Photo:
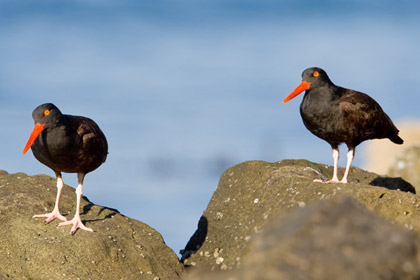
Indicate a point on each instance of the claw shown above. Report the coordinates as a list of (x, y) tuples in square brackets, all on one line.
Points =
[(50, 216), (77, 223), (332, 181)]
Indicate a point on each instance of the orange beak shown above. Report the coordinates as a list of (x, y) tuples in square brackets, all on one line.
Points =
[(303, 86), (35, 133)]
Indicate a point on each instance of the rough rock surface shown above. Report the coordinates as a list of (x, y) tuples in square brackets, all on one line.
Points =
[(119, 247), (253, 193), (336, 238), (407, 165)]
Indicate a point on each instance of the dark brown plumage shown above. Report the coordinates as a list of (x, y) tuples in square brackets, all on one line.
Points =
[(65, 143), (339, 115)]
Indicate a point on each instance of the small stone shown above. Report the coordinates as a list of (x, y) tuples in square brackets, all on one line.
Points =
[(401, 164)]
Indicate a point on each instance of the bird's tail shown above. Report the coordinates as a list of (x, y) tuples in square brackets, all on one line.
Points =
[(396, 139)]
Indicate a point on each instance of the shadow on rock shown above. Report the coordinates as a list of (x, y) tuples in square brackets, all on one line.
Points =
[(112, 213), (393, 184), (197, 240)]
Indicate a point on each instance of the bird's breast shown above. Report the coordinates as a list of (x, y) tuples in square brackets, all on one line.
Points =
[(56, 148), (322, 116)]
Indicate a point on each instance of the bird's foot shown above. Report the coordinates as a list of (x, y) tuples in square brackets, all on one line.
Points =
[(55, 214), (332, 181), (77, 223)]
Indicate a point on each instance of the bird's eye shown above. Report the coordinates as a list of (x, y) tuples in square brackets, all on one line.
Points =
[(316, 74), (46, 112)]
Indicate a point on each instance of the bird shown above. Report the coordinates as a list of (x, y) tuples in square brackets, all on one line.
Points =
[(340, 115), (66, 143)]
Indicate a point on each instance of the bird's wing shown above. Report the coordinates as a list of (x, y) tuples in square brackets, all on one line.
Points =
[(90, 134), (86, 129), (361, 109)]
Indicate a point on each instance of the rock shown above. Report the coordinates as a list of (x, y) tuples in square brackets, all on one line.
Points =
[(336, 238), (406, 164), (119, 247), (253, 193)]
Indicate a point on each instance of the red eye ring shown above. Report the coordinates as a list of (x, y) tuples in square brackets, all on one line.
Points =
[(46, 112), (316, 74)]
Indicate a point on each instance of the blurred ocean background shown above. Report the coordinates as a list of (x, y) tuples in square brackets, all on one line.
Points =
[(185, 89)]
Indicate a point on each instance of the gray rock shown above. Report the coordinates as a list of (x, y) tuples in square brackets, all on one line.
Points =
[(119, 247), (336, 238), (253, 193)]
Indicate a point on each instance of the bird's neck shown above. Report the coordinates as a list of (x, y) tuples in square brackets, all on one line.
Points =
[(61, 124), (326, 93)]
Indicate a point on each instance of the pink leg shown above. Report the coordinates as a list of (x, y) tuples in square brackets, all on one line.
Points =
[(76, 221), (350, 156), (56, 212), (334, 179)]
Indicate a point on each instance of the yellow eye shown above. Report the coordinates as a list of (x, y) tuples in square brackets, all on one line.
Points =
[(316, 74), (46, 112)]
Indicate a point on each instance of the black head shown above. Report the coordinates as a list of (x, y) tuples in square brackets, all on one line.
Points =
[(47, 114), (312, 78), (316, 76)]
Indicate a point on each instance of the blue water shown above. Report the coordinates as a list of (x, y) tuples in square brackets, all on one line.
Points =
[(185, 89)]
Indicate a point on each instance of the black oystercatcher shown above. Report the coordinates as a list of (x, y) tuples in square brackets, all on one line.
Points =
[(339, 115), (70, 144)]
